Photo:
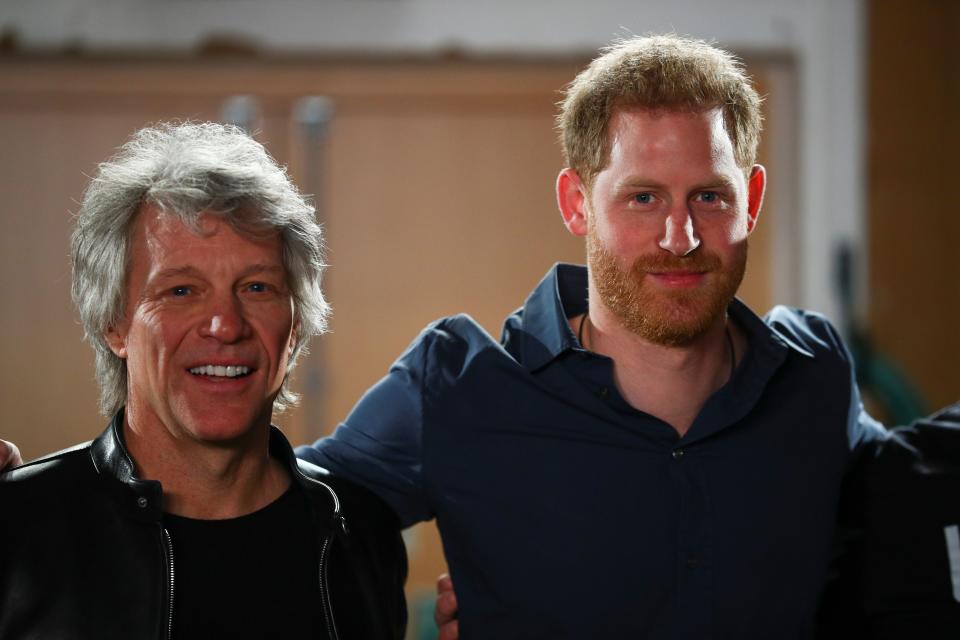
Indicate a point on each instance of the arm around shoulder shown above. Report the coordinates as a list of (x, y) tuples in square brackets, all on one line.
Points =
[(380, 444)]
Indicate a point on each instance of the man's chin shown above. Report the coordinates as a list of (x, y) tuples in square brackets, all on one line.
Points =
[(221, 427), (670, 335), (673, 323)]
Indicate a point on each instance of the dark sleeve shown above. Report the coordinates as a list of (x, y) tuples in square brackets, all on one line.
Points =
[(862, 429), (813, 334), (379, 444), (900, 577)]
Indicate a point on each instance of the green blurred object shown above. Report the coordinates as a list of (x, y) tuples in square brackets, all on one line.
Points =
[(877, 374), (880, 377), (422, 626)]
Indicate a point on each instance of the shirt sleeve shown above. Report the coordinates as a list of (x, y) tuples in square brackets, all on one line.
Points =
[(812, 333), (379, 444)]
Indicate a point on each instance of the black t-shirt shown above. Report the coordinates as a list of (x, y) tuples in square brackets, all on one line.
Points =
[(247, 577)]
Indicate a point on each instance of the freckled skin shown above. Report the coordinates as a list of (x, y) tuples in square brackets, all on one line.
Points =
[(216, 297)]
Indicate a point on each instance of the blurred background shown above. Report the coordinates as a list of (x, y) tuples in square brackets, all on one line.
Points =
[(423, 129)]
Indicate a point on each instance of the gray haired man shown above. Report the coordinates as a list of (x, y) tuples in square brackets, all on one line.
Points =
[(196, 272)]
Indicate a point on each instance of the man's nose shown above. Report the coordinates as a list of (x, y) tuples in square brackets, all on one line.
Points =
[(225, 320), (679, 236)]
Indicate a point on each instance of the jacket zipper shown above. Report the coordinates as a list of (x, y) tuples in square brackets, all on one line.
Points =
[(325, 603), (324, 587), (325, 592), (168, 553)]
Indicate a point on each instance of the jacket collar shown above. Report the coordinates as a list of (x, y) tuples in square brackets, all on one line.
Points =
[(112, 460)]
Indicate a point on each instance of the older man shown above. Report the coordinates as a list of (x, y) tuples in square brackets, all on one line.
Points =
[(196, 271)]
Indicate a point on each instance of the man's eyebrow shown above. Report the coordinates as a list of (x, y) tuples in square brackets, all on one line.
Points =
[(263, 268), (638, 182), (722, 182), (174, 272), (192, 271)]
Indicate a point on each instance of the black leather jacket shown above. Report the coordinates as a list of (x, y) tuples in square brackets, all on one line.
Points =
[(84, 554)]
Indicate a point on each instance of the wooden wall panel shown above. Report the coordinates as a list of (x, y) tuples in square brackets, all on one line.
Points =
[(914, 134)]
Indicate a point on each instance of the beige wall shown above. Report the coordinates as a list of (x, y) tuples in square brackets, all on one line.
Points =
[(436, 189)]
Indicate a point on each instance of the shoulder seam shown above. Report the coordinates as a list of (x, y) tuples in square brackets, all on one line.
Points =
[(56, 455)]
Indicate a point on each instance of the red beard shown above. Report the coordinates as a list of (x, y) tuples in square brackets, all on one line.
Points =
[(667, 317)]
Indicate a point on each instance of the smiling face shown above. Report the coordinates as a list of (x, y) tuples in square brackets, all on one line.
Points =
[(207, 330), (666, 222)]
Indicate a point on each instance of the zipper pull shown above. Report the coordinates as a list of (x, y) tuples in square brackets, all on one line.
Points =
[(341, 525)]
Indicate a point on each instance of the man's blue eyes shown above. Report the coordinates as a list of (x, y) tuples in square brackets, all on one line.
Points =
[(183, 290), (703, 196)]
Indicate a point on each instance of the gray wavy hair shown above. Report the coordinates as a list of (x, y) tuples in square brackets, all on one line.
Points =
[(183, 170)]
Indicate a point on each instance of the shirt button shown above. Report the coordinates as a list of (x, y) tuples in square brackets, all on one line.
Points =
[(142, 502), (603, 392), (677, 454)]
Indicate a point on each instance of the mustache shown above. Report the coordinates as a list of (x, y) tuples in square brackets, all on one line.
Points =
[(657, 263)]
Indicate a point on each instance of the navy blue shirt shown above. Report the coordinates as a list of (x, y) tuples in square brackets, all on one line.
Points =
[(566, 513)]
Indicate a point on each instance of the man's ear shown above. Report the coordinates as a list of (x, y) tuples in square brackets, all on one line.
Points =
[(572, 200), (756, 185), (117, 341)]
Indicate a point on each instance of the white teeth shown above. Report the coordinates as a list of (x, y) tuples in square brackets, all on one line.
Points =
[(220, 371)]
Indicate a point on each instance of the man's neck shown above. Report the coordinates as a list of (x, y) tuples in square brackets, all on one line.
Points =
[(671, 383), (203, 481)]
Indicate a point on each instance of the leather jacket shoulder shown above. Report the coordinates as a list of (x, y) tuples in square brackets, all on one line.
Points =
[(84, 554)]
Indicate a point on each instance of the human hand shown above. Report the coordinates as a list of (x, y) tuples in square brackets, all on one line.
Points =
[(10, 457), (445, 611)]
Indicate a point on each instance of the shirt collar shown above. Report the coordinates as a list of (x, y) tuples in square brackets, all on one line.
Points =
[(545, 333), (542, 323)]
